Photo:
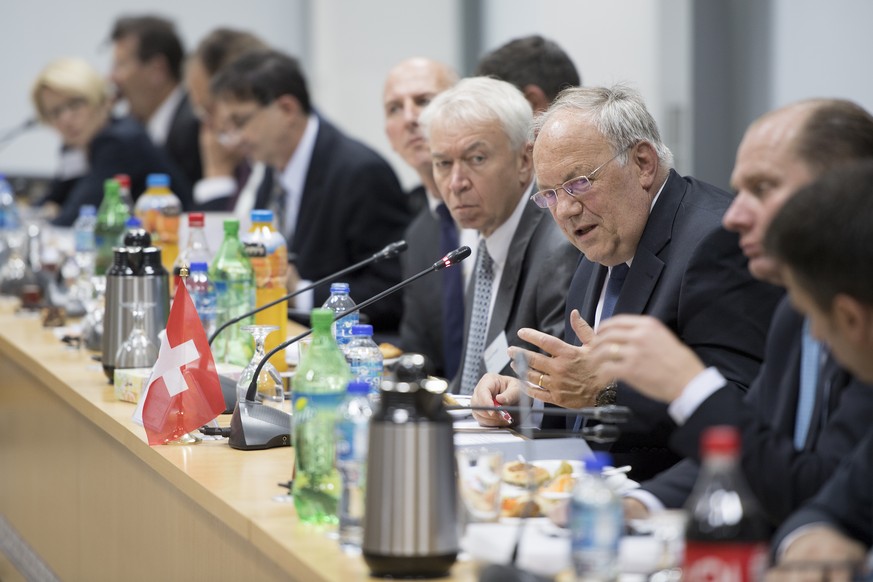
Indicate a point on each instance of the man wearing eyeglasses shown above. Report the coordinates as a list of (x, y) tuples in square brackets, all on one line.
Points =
[(338, 201), (653, 245), (482, 166)]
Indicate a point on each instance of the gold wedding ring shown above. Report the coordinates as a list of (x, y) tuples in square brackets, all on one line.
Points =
[(540, 381)]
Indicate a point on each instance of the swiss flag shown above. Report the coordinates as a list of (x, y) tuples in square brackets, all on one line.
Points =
[(184, 391)]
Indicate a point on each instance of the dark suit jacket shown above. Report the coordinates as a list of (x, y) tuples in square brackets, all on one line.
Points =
[(183, 149), (121, 147), (538, 269), (352, 207), (689, 273), (844, 502), (781, 477), (421, 328)]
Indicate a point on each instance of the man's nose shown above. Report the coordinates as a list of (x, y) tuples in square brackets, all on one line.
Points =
[(739, 215)]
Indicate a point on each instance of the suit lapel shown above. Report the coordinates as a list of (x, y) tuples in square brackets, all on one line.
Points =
[(509, 280), (313, 186)]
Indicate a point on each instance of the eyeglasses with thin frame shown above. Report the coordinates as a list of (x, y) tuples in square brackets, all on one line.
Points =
[(72, 105), (574, 187), (231, 136)]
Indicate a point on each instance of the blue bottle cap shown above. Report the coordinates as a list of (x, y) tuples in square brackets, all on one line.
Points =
[(158, 180), (88, 210), (358, 388), (133, 222), (362, 329), (262, 216), (339, 287), (198, 267), (597, 462)]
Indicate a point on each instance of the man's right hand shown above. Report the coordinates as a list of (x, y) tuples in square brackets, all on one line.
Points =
[(819, 553), (491, 388), (218, 160)]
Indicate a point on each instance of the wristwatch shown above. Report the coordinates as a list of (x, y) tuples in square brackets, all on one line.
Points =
[(607, 396)]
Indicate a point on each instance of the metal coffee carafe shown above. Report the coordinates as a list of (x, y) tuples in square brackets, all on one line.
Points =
[(410, 520), (116, 319)]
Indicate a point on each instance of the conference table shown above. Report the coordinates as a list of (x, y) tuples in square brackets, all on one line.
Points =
[(83, 495)]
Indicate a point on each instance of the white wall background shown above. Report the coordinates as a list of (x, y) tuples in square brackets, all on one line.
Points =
[(816, 47)]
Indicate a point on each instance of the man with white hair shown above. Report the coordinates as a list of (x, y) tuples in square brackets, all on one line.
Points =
[(478, 133), (653, 245)]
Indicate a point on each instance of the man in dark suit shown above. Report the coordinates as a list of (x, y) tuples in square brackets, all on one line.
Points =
[(147, 70), (477, 132), (339, 201), (797, 421), (823, 242), (653, 244), (433, 307), (230, 182)]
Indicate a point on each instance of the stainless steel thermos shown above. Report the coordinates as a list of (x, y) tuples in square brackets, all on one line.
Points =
[(410, 521)]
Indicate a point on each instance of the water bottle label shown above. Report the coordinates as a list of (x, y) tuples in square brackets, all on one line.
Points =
[(725, 562), (255, 250), (344, 328), (351, 444), (596, 528), (368, 371)]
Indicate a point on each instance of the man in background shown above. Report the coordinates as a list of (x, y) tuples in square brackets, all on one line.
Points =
[(433, 307), (337, 202), (147, 70), (230, 182), (537, 66), (478, 135)]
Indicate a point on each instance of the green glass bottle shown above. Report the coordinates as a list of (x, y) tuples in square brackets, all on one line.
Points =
[(231, 273), (111, 216), (319, 387)]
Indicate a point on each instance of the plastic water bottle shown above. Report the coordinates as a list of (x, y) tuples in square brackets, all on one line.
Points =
[(596, 521), (160, 210), (196, 250), (202, 293), (86, 247), (111, 216), (352, 438), (365, 357), (319, 387), (340, 302), (9, 218), (231, 273)]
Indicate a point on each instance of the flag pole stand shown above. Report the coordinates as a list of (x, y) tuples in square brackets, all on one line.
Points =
[(187, 438)]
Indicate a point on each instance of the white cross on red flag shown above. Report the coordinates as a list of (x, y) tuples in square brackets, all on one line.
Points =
[(184, 391)]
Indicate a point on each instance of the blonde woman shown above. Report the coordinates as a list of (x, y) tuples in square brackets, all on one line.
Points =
[(72, 97)]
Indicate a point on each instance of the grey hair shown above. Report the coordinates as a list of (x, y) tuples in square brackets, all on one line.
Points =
[(618, 112), (482, 100)]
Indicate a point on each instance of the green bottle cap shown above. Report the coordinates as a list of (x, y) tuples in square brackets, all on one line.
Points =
[(321, 318), (110, 186), (231, 227)]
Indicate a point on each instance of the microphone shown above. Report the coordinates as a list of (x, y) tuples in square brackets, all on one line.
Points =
[(255, 426), (228, 385), (389, 252), (9, 135)]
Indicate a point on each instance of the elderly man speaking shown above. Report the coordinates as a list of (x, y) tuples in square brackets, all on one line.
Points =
[(654, 245)]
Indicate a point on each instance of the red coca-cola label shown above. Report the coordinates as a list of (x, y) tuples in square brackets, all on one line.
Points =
[(724, 562)]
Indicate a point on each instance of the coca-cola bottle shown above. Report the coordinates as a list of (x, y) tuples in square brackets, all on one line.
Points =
[(727, 535)]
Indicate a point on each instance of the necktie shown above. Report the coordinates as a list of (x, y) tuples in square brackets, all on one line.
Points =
[(484, 277), (810, 361), (279, 202), (617, 275), (453, 296)]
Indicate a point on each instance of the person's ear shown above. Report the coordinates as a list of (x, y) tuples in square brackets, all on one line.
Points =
[(537, 98), (644, 157), (852, 319), (289, 105), (525, 164)]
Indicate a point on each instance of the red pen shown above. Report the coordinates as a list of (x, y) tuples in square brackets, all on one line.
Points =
[(503, 414)]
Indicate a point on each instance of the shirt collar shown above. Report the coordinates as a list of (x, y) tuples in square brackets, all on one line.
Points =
[(294, 174), (499, 241), (161, 120)]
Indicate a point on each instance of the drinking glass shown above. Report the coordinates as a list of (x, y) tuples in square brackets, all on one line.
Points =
[(138, 350), (479, 474), (270, 388)]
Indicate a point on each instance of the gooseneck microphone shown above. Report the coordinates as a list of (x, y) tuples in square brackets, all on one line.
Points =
[(255, 426), (390, 251)]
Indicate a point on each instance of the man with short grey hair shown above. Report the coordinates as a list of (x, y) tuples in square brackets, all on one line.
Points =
[(653, 245), (482, 167)]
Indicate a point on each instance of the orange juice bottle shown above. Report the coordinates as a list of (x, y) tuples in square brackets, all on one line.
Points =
[(160, 210), (268, 253)]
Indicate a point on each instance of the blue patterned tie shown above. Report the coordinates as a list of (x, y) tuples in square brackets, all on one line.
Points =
[(810, 361), (453, 297), (478, 319), (617, 275)]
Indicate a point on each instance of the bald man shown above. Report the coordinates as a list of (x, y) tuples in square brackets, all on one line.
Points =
[(435, 305)]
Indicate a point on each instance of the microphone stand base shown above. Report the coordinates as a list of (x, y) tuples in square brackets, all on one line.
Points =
[(254, 426)]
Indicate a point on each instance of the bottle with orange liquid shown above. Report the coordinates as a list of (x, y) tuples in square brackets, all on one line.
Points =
[(268, 253), (160, 211)]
